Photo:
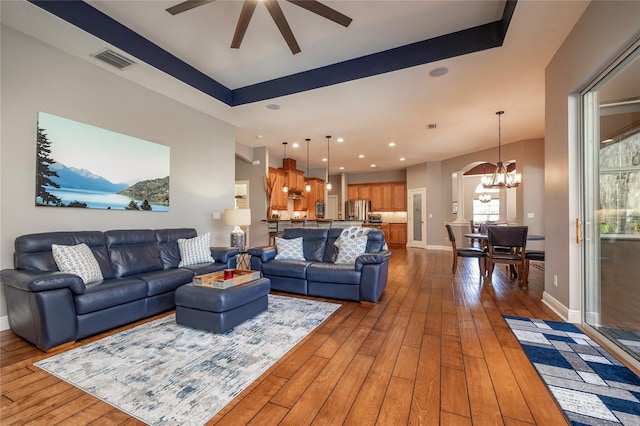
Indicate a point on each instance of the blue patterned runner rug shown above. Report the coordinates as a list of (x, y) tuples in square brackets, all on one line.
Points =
[(163, 373), (591, 386)]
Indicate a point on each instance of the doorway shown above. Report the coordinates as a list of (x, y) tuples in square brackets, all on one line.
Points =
[(417, 218), (611, 199), (331, 209)]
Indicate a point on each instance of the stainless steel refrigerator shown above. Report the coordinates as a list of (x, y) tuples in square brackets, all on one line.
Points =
[(357, 209)]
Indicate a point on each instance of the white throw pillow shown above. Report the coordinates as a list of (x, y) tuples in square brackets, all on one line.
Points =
[(289, 249), (352, 232), (350, 248), (78, 260), (195, 250)]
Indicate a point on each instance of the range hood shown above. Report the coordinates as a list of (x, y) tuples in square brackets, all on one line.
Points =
[(295, 195)]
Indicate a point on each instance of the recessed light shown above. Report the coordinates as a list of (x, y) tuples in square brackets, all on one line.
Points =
[(324, 159), (402, 158), (340, 140), (296, 145), (438, 72), (373, 166), (361, 156), (273, 106), (341, 167), (392, 144), (259, 136)]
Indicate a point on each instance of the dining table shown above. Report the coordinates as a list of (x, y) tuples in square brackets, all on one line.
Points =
[(485, 237)]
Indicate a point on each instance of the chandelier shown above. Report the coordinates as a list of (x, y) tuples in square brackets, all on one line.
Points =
[(501, 178)]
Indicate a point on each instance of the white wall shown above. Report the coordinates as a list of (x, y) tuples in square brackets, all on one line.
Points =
[(36, 77), (602, 33)]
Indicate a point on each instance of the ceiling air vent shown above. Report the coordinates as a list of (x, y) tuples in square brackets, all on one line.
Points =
[(114, 59)]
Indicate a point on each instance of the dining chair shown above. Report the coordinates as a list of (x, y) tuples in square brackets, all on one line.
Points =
[(465, 252), (536, 256), (514, 240), (273, 229)]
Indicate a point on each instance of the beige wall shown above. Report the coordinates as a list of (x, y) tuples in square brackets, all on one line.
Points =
[(36, 77), (602, 33)]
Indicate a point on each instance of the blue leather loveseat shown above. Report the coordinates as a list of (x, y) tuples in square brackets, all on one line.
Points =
[(318, 275), (140, 270)]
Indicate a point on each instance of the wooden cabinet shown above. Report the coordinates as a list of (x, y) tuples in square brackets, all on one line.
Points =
[(278, 198), (383, 227), (384, 196), (398, 196), (352, 192), (310, 198), (295, 179), (397, 233)]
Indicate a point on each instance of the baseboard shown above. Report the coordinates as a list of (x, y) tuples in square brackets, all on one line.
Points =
[(565, 313), (435, 247), (4, 323)]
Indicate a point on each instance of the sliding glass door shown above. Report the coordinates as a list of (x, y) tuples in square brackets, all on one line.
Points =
[(611, 194)]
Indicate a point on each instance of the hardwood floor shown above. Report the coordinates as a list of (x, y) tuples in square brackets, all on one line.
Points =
[(434, 350)]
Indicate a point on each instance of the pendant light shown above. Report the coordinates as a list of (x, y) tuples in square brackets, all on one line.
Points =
[(500, 178), (308, 184), (285, 188), (328, 184)]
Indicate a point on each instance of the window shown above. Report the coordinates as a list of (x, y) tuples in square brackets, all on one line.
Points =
[(483, 212)]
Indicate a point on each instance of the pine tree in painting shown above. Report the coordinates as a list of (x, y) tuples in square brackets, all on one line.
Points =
[(146, 206), (44, 172), (132, 205)]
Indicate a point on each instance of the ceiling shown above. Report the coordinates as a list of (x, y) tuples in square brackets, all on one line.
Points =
[(369, 83)]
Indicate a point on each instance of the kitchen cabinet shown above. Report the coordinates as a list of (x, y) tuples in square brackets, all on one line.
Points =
[(397, 233), (278, 198), (383, 227), (398, 196), (295, 179), (384, 196), (310, 198)]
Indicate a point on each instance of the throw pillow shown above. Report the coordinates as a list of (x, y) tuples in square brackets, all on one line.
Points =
[(195, 250), (350, 248), (78, 260), (352, 232), (289, 249)]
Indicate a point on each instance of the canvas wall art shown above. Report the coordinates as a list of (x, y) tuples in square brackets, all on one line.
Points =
[(83, 166)]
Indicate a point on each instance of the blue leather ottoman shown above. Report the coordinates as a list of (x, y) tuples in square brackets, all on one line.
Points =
[(218, 310)]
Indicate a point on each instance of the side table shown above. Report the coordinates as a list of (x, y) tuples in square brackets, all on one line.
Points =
[(243, 260)]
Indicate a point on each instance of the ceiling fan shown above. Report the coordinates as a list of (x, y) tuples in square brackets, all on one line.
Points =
[(276, 14)]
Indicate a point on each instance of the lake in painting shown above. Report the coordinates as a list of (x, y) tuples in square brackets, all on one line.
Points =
[(100, 200)]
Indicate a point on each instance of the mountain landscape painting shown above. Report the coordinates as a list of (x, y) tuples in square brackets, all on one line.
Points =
[(83, 166)]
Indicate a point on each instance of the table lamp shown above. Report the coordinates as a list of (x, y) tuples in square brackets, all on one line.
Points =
[(237, 218)]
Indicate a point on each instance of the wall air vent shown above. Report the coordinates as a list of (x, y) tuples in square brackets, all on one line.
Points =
[(114, 59)]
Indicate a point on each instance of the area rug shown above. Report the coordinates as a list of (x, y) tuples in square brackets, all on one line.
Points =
[(163, 373), (591, 386)]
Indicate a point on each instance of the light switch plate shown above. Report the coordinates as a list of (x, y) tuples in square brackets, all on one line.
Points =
[(529, 215), (216, 216)]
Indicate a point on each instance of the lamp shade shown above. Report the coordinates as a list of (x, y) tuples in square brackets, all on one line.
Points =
[(237, 217)]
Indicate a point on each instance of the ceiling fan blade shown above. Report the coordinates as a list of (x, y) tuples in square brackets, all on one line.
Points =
[(243, 22), (323, 10), (278, 17), (187, 5)]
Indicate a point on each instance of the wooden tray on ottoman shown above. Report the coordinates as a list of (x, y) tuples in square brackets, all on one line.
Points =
[(216, 279)]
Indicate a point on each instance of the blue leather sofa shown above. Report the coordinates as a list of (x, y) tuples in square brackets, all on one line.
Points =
[(140, 269), (318, 275)]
